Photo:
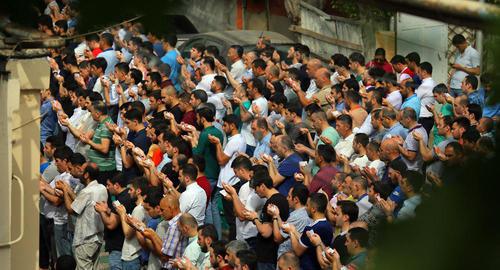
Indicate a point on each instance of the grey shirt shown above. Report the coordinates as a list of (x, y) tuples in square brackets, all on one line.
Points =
[(300, 219), (89, 227)]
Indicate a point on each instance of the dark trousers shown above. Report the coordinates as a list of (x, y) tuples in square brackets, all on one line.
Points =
[(427, 123), (229, 213), (46, 231)]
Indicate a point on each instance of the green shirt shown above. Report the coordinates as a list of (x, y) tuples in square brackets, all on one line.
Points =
[(208, 151), (446, 110), (331, 134), (105, 162), (237, 111)]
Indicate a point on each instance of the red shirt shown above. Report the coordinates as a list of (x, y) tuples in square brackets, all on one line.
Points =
[(189, 118), (322, 180), (386, 66), (96, 52), (202, 181)]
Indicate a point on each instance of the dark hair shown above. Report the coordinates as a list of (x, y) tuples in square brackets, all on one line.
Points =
[(353, 96), (376, 72), (440, 89), (190, 171), (63, 152), (350, 209), (136, 75), (362, 139), (239, 50), (380, 51), (211, 49), (200, 94), (123, 67), (138, 105), (99, 62), (119, 179), (100, 106), (463, 122), (137, 41), (259, 85), (92, 37), (341, 60), (378, 95), (155, 77), (262, 177), (472, 80), (247, 257), (357, 57), (133, 114), (345, 118), (475, 109), (279, 98), (170, 39), (219, 248), (457, 147), (232, 119), (241, 162), (294, 108), (312, 108), (489, 124), (63, 24), (45, 20), (382, 188), (206, 113), (319, 201), (398, 59), (300, 192), (199, 161), (327, 152), (70, 59), (93, 170), (410, 113), (209, 60), (108, 38), (426, 66), (208, 230), (55, 141), (221, 80), (415, 179), (153, 197), (398, 165), (448, 121), (352, 84), (413, 57), (141, 183), (360, 235), (259, 63), (303, 49), (77, 159), (470, 135), (65, 262), (458, 39)]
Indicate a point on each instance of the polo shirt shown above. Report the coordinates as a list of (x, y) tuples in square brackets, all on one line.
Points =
[(358, 261), (287, 168), (154, 263), (235, 144), (470, 58), (208, 151), (110, 56), (238, 70), (322, 180), (321, 227), (332, 134), (139, 139), (396, 130), (409, 206), (194, 201), (193, 251), (105, 162), (58, 212), (206, 83), (262, 146), (446, 110), (412, 102)]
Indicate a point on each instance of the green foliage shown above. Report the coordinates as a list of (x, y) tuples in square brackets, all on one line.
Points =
[(354, 9)]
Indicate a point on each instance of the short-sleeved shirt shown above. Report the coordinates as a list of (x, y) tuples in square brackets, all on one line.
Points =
[(88, 227), (246, 229), (412, 102), (470, 58), (170, 58), (139, 139), (174, 243), (332, 134), (344, 147), (262, 146), (339, 245), (266, 248), (411, 144), (395, 99), (110, 56), (208, 151), (409, 206), (322, 180), (396, 130), (321, 227), (235, 144), (131, 247), (154, 263), (193, 252), (194, 201), (114, 238), (446, 110), (287, 168), (424, 92), (298, 218), (105, 162)]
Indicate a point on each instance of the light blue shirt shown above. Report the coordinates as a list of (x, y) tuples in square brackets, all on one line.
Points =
[(396, 130), (412, 102), (49, 120), (111, 60), (170, 58), (409, 206), (262, 146)]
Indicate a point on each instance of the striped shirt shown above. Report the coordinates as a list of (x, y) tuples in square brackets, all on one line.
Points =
[(174, 243), (105, 162)]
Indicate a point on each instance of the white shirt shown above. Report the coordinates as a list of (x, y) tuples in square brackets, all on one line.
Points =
[(402, 76), (379, 166), (246, 229), (366, 127), (395, 99), (312, 89), (261, 103), (238, 70), (131, 247), (206, 82), (216, 99), (194, 200), (74, 120), (363, 204), (424, 92), (470, 58), (344, 146), (59, 213), (361, 162), (234, 145)]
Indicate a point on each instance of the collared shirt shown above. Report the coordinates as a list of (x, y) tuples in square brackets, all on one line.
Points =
[(321, 95), (395, 99), (470, 58), (193, 252), (49, 120), (59, 213), (89, 227), (170, 58), (74, 120), (154, 263), (193, 201), (412, 102), (409, 206), (110, 56), (298, 218), (174, 243), (262, 146), (206, 82), (235, 144), (424, 92), (411, 144), (166, 159), (105, 162), (344, 147), (308, 260), (396, 130), (367, 127), (216, 100), (476, 98), (363, 204), (238, 70)]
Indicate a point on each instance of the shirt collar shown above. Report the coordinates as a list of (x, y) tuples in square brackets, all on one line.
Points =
[(173, 221), (316, 221)]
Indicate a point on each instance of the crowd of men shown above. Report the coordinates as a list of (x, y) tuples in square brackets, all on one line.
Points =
[(256, 159)]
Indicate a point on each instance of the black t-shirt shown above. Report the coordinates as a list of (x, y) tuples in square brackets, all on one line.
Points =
[(339, 245), (114, 238), (171, 174), (139, 139), (177, 112), (267, 249)]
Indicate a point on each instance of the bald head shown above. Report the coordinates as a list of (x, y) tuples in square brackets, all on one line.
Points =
[(389, 149), (322, 77), (170, 201), (288, 261), (313, 65)]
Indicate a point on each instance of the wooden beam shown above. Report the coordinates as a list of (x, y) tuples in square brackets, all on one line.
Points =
[(334, 41)]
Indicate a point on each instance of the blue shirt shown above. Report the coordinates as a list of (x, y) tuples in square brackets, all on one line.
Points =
[(489, 110), (170, 58), (412, 102), (287, 168), (476, 98), (396, 130), (49, 120), (110, 56), (321, 227), (262, 146), (158, 49), (398, 197)]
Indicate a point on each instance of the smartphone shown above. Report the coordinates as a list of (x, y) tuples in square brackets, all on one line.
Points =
[(224, 193), (303, 163), (116, 203)]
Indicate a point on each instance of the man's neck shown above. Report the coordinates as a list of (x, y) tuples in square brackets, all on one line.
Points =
[(345, 226), (233, 132), (139, 200), (362, 152), (324, 126), (139, 128), (318, 216), (297, 120), (161, 107), (357, 251), (412, 125), (347, 134), (270, 192), (206, 124)]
